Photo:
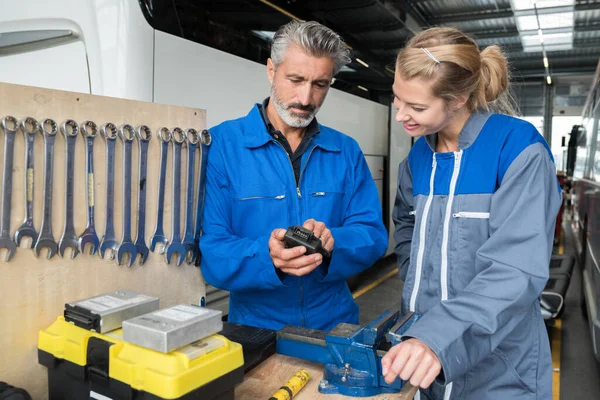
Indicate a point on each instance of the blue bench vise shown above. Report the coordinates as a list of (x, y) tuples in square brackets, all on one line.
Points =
[(351, 354)]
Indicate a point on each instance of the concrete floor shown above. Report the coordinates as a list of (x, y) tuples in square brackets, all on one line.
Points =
[(580, 372)]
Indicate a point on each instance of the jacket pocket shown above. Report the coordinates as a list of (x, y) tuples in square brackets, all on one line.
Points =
[(512, 371), (473, 230), (259, 208), (326, 203)]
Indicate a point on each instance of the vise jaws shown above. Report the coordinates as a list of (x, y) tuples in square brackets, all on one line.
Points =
[(351, 354)]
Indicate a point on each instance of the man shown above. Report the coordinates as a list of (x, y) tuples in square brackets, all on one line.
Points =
[(275, 168)]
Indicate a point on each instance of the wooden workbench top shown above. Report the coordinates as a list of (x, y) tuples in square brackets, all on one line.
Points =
[(266, 378)]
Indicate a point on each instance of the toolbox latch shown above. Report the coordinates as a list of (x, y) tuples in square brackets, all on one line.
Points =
[(98, 360)]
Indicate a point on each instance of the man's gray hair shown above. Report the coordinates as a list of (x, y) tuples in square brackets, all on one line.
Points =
[(314, 39)]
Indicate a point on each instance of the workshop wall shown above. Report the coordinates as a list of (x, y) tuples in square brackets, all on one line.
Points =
[(34, 290)]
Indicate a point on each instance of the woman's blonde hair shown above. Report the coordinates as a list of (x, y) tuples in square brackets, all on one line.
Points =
[(457, 67)]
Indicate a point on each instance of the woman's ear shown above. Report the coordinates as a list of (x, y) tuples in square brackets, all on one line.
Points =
[(460, 101)]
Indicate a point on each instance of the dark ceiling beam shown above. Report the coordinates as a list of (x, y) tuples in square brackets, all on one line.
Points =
[(495, 34), (379, 45), (559, 9), (378, 27), (513, 32), (556, 71), (508, 13), (358, 48), (472, 16)]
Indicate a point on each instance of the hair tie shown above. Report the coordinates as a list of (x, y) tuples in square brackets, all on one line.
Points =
[(430, 55)]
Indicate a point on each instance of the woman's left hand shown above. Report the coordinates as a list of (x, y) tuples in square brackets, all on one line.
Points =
[(411, 360)]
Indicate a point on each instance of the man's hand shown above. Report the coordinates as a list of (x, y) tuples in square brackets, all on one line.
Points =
[(412, 360), (320, 231), (291, 261)]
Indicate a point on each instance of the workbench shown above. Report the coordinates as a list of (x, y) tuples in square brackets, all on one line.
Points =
[(264, 380)]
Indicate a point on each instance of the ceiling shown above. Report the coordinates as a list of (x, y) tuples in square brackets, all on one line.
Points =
[(377, 29)]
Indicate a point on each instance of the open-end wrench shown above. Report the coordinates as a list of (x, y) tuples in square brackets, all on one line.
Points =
[(70, 130), (46, 238), (164, 136), (176, 247), (30, 128), (143, 134), (192, 138), (205, 141), (89, 130), (10, 125), (127, 135), (109, 240)]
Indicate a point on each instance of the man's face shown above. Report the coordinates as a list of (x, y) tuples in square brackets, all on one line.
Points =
[(299, 86)]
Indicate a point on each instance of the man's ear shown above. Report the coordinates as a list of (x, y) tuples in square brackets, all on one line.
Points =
[(270, 70)]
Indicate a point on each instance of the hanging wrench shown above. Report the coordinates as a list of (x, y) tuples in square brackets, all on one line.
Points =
[(176, 246), (10, 125), (109, 241), (89, 130), (192, 138), (46, 238), (205, 141), (70, 130), (30, 128), (164, 135), (127, 135), (143, 134)]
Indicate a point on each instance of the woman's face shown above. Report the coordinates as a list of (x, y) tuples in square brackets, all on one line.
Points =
[(419, 111)]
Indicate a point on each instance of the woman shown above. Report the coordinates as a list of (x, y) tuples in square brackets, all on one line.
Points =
[(475, 212)]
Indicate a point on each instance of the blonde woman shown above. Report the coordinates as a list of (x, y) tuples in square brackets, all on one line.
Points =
[(474, 214)]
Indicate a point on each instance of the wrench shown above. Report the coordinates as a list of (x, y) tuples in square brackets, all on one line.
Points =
[(89, 130), (164, 135), (30, 128), (193, 138), (109, 241), (70, 130), (127, 135), (46, 238), (176, 246), (205, 142), (143, 134), (10, 125)]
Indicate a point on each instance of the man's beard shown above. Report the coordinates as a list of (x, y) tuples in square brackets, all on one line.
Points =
[(288, 116)]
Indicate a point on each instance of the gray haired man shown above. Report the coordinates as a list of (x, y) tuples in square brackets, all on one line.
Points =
[(277, 167)]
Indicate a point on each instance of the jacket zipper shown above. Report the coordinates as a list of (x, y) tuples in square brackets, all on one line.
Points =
[(300, 212), (446, 233), (300, 202), (422, 232), (470, 214)]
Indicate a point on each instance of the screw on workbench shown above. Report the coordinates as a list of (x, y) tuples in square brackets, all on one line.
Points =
[(323, 383)]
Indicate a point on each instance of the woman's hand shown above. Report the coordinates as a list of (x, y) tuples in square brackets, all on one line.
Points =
[(411, 360)]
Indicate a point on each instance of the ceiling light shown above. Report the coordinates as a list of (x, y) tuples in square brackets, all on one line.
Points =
[(545, 62), (358, 60), (363, 88), (528, 4), (549, 80)]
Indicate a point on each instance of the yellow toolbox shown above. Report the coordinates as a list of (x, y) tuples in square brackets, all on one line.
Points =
[(87, 365)]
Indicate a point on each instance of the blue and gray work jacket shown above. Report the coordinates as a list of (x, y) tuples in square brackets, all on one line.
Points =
[(474, 234)]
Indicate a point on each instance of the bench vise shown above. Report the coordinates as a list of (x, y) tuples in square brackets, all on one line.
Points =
[(351, 354)]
